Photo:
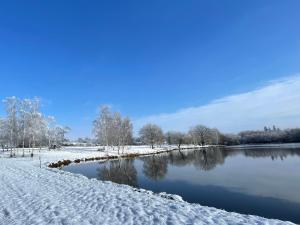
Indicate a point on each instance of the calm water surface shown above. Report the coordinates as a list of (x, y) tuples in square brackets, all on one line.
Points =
[(260, 180)]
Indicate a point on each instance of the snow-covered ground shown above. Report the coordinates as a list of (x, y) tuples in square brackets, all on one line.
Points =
[(33, 195)]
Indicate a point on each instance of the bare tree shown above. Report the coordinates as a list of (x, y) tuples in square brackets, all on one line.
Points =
[(59, 135), (110, 129), (201, 135), (102, 124), (34, 122), (50, 132), (151, 134), (216, 136), (175, 138), (24, 121), (4, 135), (126, 132), (26, 126), (11, 104)]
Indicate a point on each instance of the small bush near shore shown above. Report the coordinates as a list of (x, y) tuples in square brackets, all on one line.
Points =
[(60, 164)]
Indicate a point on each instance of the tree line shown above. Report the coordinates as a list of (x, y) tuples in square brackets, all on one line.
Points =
[(112, 130), (25, 126), (265, 136)]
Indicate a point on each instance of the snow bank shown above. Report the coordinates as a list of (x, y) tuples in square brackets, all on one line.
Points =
[(32, 195)]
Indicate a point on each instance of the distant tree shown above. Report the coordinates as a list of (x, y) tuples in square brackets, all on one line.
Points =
[(215, 136), (151, 134), (266, 136), (231, 139), (175, 138), (202, 135), (60, 135), (86, 140)]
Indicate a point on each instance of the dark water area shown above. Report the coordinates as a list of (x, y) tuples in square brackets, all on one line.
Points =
[(259, 180)]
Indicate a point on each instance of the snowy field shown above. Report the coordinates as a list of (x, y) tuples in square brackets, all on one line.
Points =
[(32, 195)]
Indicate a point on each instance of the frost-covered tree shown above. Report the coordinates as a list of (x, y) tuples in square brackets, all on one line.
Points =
[(11, 106), (216, 136), (126, 131), (124, 134), (110, 129), (102, 125), (4, 135), (26, 126), (35, 118), (175, 138), (50, 132), (59, 135), (151, 134), (231, 139), (202, 135), (24, 121)]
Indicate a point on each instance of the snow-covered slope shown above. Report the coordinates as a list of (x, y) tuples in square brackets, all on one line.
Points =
[(32, 195)]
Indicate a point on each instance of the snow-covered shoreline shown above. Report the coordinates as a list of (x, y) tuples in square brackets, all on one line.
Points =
[(33, 195)]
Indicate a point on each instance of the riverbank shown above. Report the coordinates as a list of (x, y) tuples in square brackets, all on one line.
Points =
[(133, 151), (33, 195)]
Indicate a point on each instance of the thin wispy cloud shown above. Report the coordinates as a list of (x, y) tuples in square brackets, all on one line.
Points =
[(276, 103)]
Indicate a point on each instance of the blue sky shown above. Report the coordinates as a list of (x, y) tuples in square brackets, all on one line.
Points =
[(145, 58)]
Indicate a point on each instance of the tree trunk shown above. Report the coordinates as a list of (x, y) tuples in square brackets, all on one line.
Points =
[(23, 148)]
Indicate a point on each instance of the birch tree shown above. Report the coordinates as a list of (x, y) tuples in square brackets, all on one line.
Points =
[(26, 126), (34, 122), (4, 136), (50, 133), (11, 104), (101, 125), (24, 121), (59, 135), (126, 132), (111, 130)]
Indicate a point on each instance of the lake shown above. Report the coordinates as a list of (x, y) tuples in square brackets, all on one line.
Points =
[(260, 180)]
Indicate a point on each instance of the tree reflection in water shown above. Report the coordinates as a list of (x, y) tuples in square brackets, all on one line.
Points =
[(120, 171), (198, 175), (272, 153), (206, 159), (155, 167), (209, 158)]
